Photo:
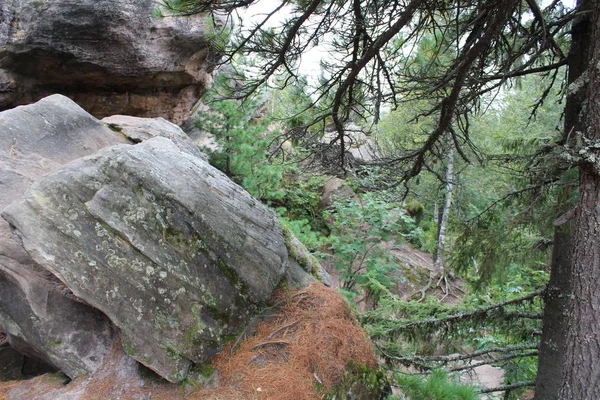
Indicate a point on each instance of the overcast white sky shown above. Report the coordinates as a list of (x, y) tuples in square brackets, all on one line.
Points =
[(311, 60)]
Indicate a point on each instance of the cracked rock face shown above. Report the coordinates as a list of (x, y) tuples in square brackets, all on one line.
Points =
[(110, 57)]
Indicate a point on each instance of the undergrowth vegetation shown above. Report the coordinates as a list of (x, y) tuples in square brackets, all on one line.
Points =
[(437, 386), (485, 308)]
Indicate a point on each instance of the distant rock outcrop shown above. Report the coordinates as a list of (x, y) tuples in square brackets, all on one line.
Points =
[(110, 57), (336, 189), (146, 238)]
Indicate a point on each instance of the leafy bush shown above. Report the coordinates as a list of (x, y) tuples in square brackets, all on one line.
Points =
[(302, 230), (301, 201)]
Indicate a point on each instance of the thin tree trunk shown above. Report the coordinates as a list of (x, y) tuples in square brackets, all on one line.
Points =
[(438, 264), (581, 375)]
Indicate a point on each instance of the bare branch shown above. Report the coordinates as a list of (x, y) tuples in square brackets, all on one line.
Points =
[(494, 361)]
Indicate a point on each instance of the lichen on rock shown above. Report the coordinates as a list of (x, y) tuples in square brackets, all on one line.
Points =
[(172, 251), (146, 241)]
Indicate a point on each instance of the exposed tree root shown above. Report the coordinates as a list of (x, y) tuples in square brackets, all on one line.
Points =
[(442, 283)]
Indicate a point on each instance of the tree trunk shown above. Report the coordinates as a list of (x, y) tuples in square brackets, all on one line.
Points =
[(438, 264), (581, 375), (553, 345)]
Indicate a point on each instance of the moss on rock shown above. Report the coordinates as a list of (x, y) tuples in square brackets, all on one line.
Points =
[(300, 254)]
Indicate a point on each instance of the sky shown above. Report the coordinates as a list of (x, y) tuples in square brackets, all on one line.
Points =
[(310, 63)]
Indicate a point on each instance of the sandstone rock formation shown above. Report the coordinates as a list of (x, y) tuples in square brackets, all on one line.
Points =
[(336, 189), (147, 238), (170, 249), (139, 129), (201, 138), (110, 57), (39, 314)]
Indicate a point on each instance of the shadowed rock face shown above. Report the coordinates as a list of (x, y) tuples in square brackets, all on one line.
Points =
[(110, 57)]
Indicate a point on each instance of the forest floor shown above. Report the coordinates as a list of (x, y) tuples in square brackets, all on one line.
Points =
[(297, 349)]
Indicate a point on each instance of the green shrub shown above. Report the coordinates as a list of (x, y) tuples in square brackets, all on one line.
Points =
[(436, 386)]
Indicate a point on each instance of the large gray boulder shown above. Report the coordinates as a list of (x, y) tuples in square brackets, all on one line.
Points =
[(170, 249), (112, 57), (40, 315), (148, 239)]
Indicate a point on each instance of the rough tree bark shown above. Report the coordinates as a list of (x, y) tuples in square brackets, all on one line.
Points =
[(553, 345), (581, 375)]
